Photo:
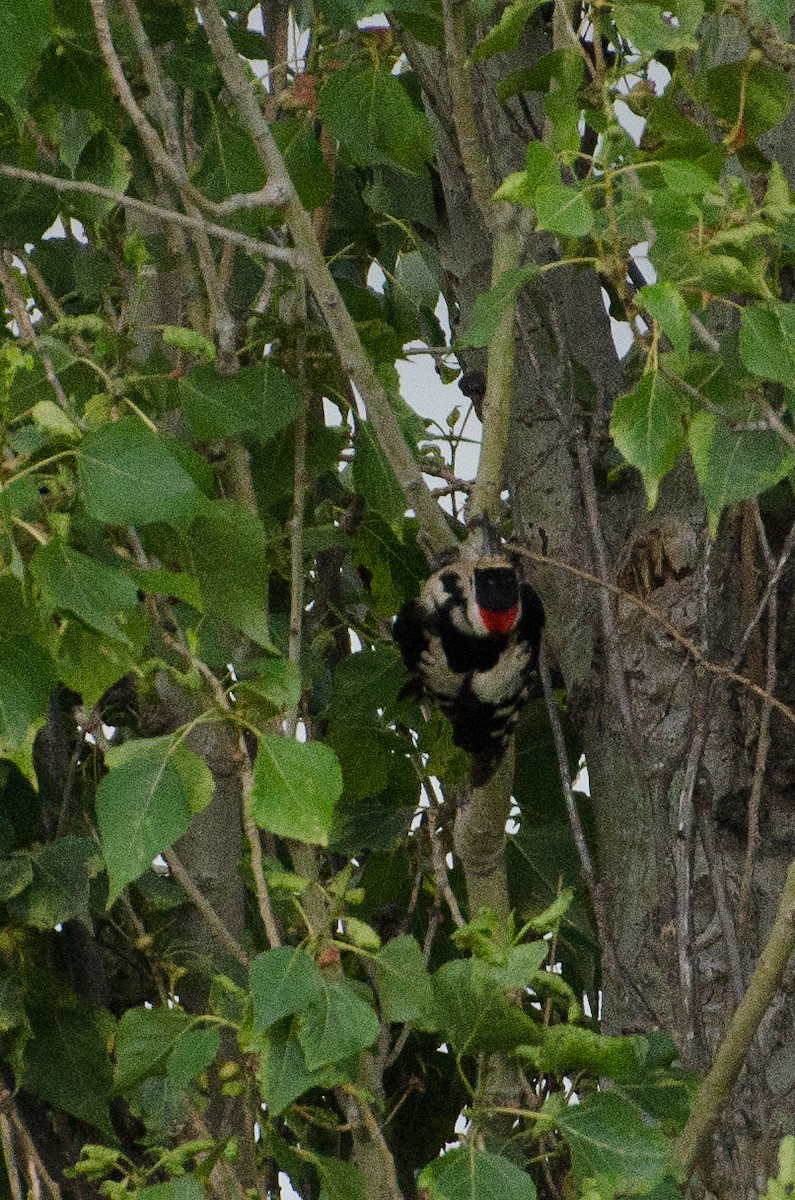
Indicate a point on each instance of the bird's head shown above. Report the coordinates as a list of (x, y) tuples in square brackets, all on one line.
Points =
[(496, 594)]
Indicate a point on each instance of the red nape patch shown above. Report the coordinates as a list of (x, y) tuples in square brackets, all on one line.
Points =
[(499, 620)]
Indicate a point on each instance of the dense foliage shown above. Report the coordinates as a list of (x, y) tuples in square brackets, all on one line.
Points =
[(236, 944)]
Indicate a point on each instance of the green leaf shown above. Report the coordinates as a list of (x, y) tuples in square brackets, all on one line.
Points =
[(336, 1024), (16, 874), (404, 985), (71, 581), (778, 12), (59, 891), (564, 210), (469, 1174), (190, 340), (128, 476), (27, 677), (66, 1061), (295, 788), (649, 28), (735, 465), (778, 201), (374, 478), (565, 1049), (260, 400), (489, 306), (275, 688), (145, 803), (283, 981), (192, 1055), (341, 1180), (473, 1011), (283, 1073), (24, 34), (665, 304), (158, 581), (303, 156), (648, 428), (610, 1142), (686, 178), (366, 683), (506, 33), (764, 92), (145, 1039), (767, 341), (369, 112), (227, 552)]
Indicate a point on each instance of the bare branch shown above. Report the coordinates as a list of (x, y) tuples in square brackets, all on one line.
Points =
[(252, 245), (205, 908)]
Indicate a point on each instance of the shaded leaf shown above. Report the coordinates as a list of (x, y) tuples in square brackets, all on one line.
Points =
[(260, 400), (283, 981), (66, 1061), (227, 551), (27, 677), (59, 888), (336, 1025), (145, 1039), (370, 113), (24, 33), (129, 476), (610, 1142), (95, 593), (404, 985), (470, 1174), (284, 1074)]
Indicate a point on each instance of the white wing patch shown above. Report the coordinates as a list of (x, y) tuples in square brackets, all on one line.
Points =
[(505, 679)]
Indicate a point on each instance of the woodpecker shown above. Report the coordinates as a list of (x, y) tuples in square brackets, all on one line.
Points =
[(470, 643)]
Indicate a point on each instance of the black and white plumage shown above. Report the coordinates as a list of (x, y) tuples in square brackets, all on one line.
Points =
[(470, 642)]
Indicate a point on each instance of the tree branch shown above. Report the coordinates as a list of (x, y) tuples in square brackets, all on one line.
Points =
[(765, 982), (342, 327), (487, 489), (252, 245)]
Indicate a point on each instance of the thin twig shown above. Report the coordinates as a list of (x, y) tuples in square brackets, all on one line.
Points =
[(578, 833), (267, 915), (27, 330), (762, 747), (718, 883), (204, 906), (772, 584), (437, 858), (724, 672), (252, 245), (593, 885)]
